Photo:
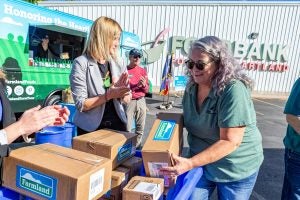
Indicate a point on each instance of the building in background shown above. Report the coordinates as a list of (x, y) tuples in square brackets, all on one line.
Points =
[(263, 35)]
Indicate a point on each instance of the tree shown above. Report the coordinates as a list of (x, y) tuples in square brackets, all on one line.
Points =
[(33, 1)]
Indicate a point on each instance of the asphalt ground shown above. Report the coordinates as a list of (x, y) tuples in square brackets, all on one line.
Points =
[(272, 124)]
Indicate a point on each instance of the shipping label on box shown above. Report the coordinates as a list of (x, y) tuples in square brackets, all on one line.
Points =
[(143, 188), (96, 183), (149, 188)]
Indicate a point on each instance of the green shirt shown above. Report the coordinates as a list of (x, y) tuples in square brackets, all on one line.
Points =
[(292, 138), (232, 108)]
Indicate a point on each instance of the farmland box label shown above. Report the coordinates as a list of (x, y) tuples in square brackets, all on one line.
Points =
[(125, 151), (164, 130), (36, 182)]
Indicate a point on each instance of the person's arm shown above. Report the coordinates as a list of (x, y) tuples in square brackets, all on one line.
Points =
[(53, 51), (292, 107), (230, 140), (112, 93), (294, 122), (35, 119), (234, 113)]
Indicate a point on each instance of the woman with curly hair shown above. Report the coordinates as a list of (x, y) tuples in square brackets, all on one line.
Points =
[(221, 122)]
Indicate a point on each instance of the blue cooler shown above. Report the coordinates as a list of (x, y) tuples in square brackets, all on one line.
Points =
[(185, 184), (70, 132), (138, 153), (51, 134)]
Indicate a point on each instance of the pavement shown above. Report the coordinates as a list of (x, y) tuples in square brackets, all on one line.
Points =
[(270, 121)]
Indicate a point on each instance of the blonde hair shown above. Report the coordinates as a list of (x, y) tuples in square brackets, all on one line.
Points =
[(103, 31)]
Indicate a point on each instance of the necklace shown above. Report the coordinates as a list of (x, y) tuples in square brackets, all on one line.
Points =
[(104, 70)]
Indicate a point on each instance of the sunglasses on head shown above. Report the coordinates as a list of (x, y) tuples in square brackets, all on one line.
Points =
[(199, 64)]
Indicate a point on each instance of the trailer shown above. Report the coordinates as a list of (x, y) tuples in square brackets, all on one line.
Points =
[(32, 80)]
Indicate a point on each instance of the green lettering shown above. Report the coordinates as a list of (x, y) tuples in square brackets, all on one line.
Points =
[(176, 43)]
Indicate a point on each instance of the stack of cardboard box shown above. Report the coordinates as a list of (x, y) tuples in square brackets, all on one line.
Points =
[(99, 166), (164, 138)]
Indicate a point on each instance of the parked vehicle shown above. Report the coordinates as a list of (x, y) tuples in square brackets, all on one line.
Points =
[(31, 79)]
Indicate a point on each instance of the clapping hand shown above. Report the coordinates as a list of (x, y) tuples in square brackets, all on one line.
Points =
[(142, 82), (36, 118), (117, 92), (123, 80)]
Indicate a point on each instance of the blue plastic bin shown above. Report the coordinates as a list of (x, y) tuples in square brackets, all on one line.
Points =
[(51, 134), (185, 184), (72, 109), (69, 134), (138, 153), (7, 194)]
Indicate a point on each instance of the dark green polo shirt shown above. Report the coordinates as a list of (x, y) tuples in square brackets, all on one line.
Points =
[(292, 138), (232, 108)]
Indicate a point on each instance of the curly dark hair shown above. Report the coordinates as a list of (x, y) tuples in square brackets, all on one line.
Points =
[(228, 67)]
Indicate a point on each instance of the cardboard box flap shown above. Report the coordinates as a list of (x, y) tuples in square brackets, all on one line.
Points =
[(105, 137), (117, 178), (178, 117), (44, 154)]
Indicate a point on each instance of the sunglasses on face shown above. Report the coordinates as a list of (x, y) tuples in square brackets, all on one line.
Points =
[(199, 64), (136, 56)]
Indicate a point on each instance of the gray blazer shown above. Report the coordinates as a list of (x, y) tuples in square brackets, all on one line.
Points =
[(86, 82)]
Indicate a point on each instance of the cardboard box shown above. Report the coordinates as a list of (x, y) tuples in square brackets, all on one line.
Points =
[(119, 179), (144, 188), (115, 145), (48, 171), (165, 137), (134, 164)]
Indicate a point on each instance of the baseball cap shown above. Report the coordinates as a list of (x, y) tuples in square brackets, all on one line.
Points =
[(135, 52)]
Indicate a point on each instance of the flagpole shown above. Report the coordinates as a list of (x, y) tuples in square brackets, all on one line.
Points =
[(164, 85)]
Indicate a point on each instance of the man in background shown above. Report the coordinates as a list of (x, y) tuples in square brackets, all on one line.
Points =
[(137, 109)]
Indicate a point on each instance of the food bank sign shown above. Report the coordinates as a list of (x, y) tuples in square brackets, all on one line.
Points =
[(253, 56)]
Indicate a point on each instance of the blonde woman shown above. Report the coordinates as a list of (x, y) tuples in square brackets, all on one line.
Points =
[(99, 83)]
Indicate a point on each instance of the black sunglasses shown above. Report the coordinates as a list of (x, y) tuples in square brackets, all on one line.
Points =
[(136, 56), (199, 64)]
